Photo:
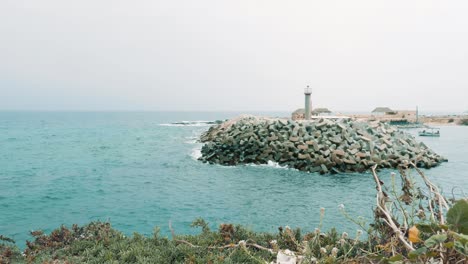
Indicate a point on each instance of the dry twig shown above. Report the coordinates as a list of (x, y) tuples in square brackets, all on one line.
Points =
[(381, 205), (438, 198)]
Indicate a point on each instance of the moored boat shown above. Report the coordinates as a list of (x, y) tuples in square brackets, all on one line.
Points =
[(430, 132)]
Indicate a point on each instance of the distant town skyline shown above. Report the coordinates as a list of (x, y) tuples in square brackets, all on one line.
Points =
[(213, 55)]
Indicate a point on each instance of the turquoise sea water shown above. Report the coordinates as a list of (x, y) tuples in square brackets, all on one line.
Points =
[(138, 171)]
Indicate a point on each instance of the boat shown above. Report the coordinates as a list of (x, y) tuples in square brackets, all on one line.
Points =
[(430, 132)]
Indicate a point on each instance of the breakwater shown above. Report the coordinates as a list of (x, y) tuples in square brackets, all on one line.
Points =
[(321, 145)]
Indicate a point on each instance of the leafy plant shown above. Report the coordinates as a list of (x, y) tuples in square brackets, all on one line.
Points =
[(9, 253), (457, 217)]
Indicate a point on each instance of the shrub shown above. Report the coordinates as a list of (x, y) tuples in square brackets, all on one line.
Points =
[(9, 253)]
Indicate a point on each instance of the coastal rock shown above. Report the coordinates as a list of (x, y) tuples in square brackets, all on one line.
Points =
[(316, 146), (303, 147), (339, 152)]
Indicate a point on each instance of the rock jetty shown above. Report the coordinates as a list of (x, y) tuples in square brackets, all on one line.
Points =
[(323, 145)]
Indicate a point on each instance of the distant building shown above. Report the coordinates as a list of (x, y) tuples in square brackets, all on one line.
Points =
[(299, 114), (383, 111), (321, 112), (307, 113)]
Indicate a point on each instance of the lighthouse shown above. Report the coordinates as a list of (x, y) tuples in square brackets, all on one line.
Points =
[(308, 105)]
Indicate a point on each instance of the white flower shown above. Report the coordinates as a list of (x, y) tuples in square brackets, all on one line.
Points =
[(317, 231), (323, 250), (334, 252), (341, 206), (342, 242), (242, 243), (322, 210), (344, 235), (359, 232)]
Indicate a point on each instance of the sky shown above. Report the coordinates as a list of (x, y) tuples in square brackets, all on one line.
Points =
[(243, 55)]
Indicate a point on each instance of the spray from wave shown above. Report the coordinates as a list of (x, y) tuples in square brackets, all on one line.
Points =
[(196, 153), (270, 164)]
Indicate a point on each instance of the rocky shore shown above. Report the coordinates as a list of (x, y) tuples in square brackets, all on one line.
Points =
[(323, 145)]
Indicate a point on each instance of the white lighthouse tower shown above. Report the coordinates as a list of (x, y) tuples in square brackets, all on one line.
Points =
[(308, 104)]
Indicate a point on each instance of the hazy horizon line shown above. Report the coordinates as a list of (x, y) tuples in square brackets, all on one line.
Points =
[(213, 111)]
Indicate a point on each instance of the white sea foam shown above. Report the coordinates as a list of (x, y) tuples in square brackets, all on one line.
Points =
[(189, 123), (196, 153), (270, 164), (191, 140), (276, 165), (196, 121), (186, 125)]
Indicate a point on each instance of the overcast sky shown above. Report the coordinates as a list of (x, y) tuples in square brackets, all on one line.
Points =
[(233, 55)]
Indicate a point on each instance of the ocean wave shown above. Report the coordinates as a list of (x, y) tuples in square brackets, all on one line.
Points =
[(196, 153), (190, 123), (180, 125), (191, 140), (271, 164)]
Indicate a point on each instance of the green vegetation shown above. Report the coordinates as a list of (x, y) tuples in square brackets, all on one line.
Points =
[(412, 225), (9, 253)]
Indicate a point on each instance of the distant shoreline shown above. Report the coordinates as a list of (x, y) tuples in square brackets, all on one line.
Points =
[(451, 120)]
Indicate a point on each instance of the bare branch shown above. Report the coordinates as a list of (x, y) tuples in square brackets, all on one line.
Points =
[(388, 217)]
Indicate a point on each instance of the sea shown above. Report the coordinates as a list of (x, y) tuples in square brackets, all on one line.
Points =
[(139, 170)]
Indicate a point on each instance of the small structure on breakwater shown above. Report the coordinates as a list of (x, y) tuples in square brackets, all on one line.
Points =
[(299, 114), (383, 111), (321, 112), (307, 113), (319, 145)]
